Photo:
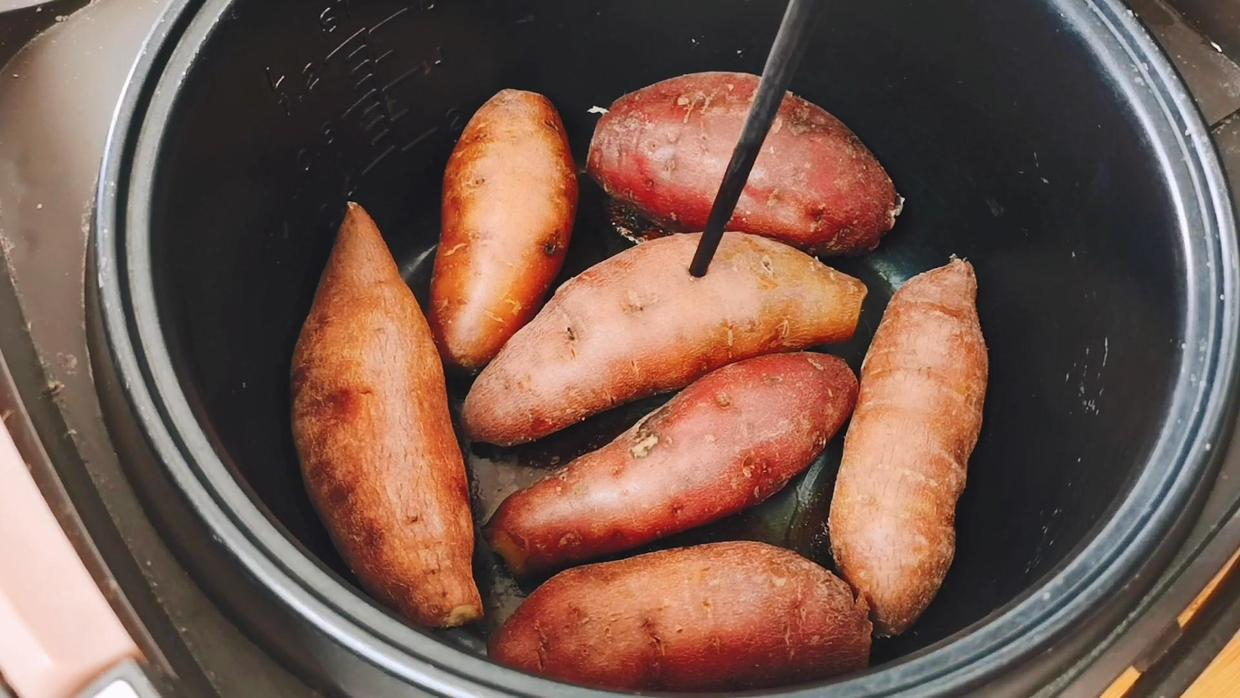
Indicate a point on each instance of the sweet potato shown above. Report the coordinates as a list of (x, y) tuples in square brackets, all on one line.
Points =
[(663, 150), (725, 443), (509, 199), (638, 324), (371, 424), (718, 617), (892, 519)]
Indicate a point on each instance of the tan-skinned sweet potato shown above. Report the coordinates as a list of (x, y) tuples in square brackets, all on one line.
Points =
[(893, 516), (663, 150), (717, 617), (370, 422), (509, 199), (727, 442), (639, 324)]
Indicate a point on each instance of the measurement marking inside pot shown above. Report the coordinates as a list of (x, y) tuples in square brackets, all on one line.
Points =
[(360, 101), (373, 122), (362, 47), (343, 44), (312, 77), (390, 17), (380, 136), (277, 88), (375, 163), (396, 81), (419, 139)]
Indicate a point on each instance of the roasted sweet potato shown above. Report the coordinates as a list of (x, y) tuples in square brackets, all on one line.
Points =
[(663, 150), (718, 617), (638, 324), (892, 520), (509, 199), (371, 424), (725, 443)]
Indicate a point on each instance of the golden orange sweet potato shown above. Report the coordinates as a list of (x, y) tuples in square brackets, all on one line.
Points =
[(718, 617), (725, 443), (371, 425), (893, 516), (509, 199), (663, 150), (638, 324)]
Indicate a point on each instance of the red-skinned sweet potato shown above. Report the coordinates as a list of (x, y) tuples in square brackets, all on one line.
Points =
[(725, 443), (718, 617), (893, 516), (371, 424), (638, 324), (509, 198), (663, 150)]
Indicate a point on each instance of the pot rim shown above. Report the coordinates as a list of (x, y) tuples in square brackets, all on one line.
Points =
[(1191, 437)]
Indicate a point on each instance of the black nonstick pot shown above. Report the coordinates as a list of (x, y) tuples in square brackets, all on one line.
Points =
[(1046, 141)]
